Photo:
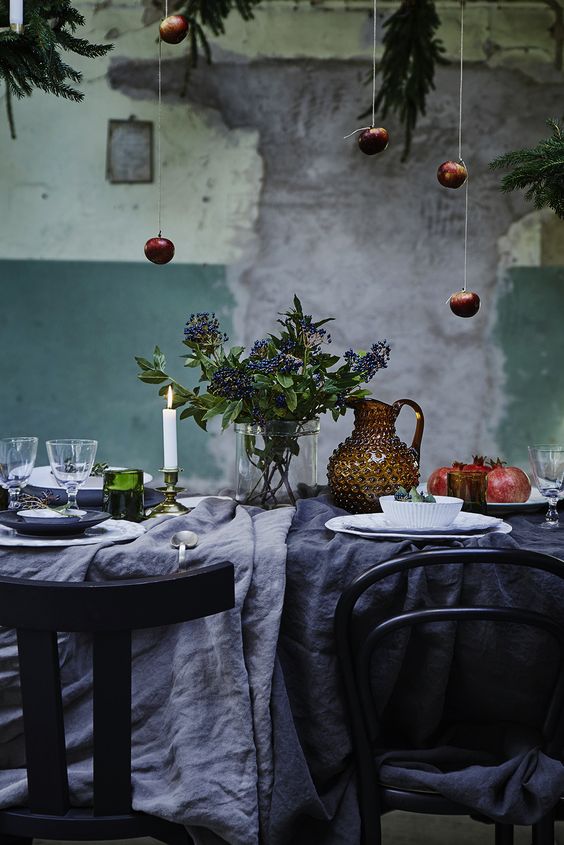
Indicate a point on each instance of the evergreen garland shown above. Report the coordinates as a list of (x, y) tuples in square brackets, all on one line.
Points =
[(411, 53), (33, 59), (211, 15), (538, 170)]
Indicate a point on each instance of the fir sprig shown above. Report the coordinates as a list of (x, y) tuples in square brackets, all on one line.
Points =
[(211, 15), (411, 53), (537, 170), (33, 60)]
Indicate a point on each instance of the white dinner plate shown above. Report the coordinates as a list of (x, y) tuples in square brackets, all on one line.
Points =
[(112, 531), (375, 527), (43, 477), (192, 501)]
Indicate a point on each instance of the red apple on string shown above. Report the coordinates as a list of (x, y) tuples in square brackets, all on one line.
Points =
[(373, 140), (464, 303), (159, 250), (452, 174), (174, 29)]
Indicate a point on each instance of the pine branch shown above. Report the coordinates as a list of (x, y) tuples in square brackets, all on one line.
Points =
[(211, 15), (411, 53), (33, 60), (538, 170), (9, 112)]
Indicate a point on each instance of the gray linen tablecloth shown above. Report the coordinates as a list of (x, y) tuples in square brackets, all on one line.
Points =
[(202, 749), (314, 796), (239, 728)]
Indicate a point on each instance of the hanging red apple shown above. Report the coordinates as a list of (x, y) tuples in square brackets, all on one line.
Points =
[(464, 303), (159, 250), (373, 140), (174, 29), (452, 174)]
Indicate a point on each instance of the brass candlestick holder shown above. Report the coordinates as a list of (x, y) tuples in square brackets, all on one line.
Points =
[(14, 27), (170, 506)]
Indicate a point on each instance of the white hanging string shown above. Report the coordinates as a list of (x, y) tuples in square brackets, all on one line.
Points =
[(460, 141), (374, 30), (374, 66), (461, 79), (159, 154), (465, 237)]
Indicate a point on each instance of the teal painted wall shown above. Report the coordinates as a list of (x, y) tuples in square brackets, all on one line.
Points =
[(530, 332), (70, 331)]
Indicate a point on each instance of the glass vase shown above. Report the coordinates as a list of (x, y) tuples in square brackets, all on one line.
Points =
[(277, 462)]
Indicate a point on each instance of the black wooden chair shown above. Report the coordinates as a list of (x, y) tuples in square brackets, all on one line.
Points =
[(355, 652), (109, 611)]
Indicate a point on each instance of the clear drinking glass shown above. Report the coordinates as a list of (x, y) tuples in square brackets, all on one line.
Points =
[(17, 459), (71, 464), (547, 463)]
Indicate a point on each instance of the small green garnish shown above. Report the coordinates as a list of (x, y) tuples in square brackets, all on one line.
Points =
[(414, 495)]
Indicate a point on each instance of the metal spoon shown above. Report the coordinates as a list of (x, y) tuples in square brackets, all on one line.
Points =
[(183, 540)]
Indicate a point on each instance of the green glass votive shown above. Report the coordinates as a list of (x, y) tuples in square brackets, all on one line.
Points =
[(124, 494), (469, 486)]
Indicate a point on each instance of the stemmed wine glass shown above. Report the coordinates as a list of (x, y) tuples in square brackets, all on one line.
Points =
[(17, 459), (547, 463), (71, 464)]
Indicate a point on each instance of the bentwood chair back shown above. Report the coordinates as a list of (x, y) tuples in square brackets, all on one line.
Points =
[(356, 651), (109, 611)]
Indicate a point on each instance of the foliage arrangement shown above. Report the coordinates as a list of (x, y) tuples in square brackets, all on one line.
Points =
[(286, 376), (539, 171), (411, 53), (34, 59)]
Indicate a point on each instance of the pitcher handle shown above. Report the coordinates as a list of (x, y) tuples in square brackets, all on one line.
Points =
[(418, 436)]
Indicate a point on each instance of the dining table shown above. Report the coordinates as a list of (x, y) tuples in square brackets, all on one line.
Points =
[(239, 725)]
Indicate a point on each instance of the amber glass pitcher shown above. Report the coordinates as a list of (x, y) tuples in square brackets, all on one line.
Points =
[(373, 461)]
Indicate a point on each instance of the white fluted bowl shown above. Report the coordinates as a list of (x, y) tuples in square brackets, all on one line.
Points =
[(421, 515)]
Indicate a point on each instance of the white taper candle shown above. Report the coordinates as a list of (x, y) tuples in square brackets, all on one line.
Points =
[(169, 434), (16, 11)]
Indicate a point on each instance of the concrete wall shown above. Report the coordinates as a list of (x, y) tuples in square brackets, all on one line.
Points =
[(259, 182)]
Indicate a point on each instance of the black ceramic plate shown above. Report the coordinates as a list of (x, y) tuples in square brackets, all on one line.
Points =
[(55, 527), (91, 499)]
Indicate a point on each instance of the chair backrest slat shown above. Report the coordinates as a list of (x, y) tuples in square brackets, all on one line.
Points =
[(44, 729), (115, 605), (111, 656)]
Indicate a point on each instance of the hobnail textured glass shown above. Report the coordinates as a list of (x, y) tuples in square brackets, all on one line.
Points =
[(373, 461)]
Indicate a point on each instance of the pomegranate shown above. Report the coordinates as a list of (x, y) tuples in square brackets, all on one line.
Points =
[(507, 484), (478, 465), (437, 481)]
